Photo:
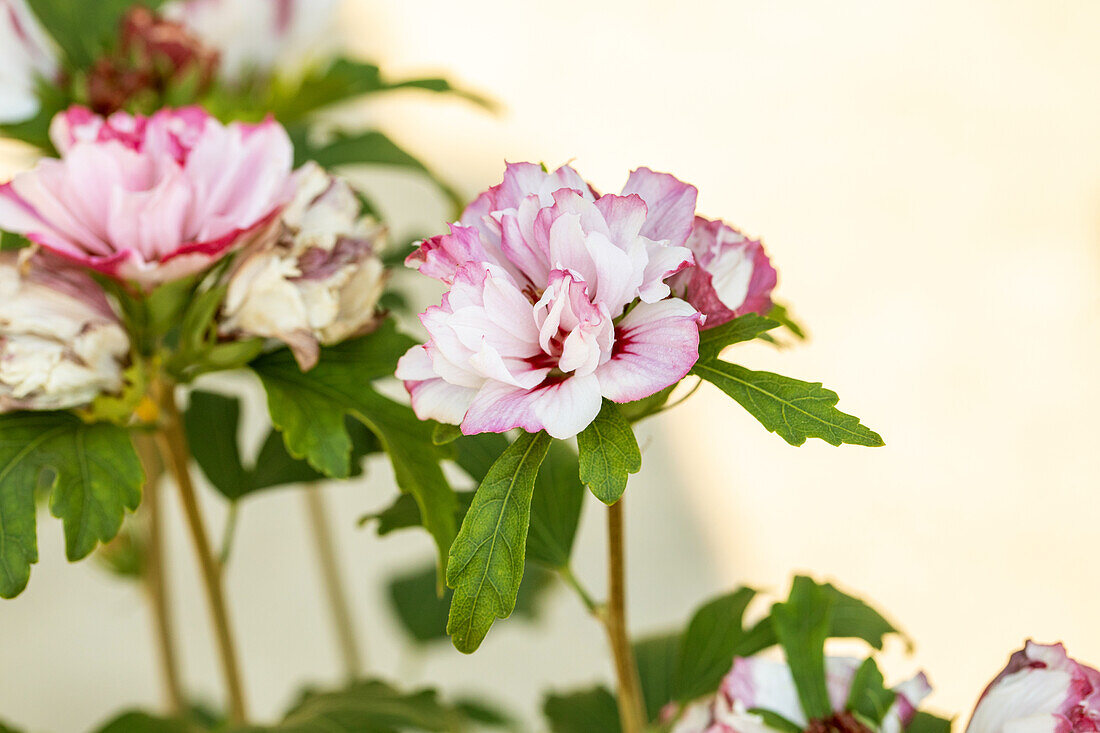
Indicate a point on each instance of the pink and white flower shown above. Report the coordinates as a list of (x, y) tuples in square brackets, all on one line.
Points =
[(260, 36), (766, 684), (732, 274), (558, 300), (61, 345), (26, 55), (151, 199), (318, 280), (1041, 690)]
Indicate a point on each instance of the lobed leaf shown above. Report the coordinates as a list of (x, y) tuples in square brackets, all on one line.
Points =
[(793, 409), (310, 407), (743, 328), (608, 454), (94, 476), (486, 560)]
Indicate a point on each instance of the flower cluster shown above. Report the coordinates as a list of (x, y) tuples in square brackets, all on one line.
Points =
[(151, 200), (759, 684), (560, 298)]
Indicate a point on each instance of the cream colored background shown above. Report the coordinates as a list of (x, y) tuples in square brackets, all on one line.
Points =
[(926, 177)]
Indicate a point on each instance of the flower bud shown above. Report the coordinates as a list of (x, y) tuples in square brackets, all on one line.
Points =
[(153, 54), (61, 345), (318, 280), (732, 274), (1040, 689)]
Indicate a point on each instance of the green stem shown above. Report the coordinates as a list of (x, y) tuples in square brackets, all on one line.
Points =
[(172, 441), (573, 582), (631, 704), (154, 572), (228, 533), (332, 581)]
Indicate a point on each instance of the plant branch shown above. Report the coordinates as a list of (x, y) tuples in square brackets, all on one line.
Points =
[(154, 574), (332, 581), (172, 442), (573, 582), (631, 704)]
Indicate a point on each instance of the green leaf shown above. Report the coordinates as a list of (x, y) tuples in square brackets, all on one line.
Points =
[(588, 711), (211, 422), (710, 644), (138, 722), (657, 658), (407, 442), (341, 80), (608, 454), (793, 409), (802, 624), (309, 408), (365, 707), (10, 241), (372, 148), (442, 86), (869, 697), (95, 476), (486, 561), (423, 613), (555, 507), (854, 619), (928, 723), (442, 433), (776, 721), (781, 313), (404, 513), (558, 496), (476, 454), (643, 408), (743, 328)]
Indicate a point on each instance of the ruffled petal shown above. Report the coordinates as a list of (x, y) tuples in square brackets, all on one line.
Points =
[(670, 201), (656, 345), (562, 408)]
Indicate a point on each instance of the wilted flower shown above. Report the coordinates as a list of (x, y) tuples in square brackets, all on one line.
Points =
[(1041, 689), (259, 36), (318, 280), (153, 55), (25, 56), (61, 345), (532, 333), (151, 199), (732, 274), (757, 683)]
